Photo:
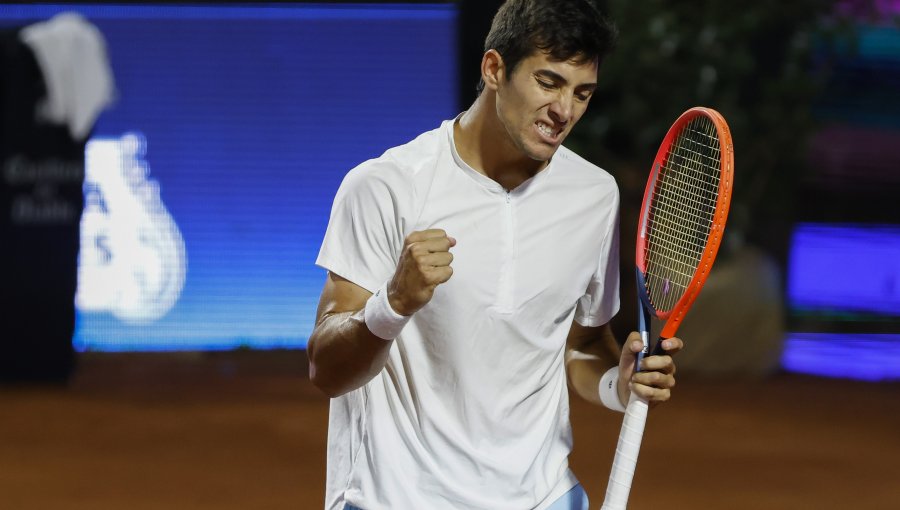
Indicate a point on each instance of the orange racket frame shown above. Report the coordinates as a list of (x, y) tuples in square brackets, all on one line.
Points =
[(674, 316)]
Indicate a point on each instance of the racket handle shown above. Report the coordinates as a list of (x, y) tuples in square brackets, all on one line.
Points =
[(627, 450), (658, 348)]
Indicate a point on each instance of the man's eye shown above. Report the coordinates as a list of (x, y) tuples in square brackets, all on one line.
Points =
[(545, 84), (582, 97)]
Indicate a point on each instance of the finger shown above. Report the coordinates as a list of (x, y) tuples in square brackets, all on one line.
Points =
[(632, 345), (662, 363), (435, 244), (439, 275), (630, 348), (659, 380), (432, 260), (424, 235), (672, 345), (651, 394)]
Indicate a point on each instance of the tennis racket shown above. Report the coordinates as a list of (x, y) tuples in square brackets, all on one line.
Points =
[(679, 231)]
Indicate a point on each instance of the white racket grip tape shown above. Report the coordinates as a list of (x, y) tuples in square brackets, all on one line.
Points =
[(627, 451)]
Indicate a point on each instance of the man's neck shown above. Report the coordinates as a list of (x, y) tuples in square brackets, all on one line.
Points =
[(483, 143)]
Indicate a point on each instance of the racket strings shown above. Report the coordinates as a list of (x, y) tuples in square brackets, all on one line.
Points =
[(681, 212)]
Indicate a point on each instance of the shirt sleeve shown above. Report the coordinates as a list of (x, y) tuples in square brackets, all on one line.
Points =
[(601, 299), (365, 231)]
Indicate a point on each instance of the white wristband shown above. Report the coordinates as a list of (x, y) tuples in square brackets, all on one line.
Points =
[(380, 318), (609, 390)]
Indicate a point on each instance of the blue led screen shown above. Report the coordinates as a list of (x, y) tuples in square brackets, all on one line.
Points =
[(845, 268), (843, 272), (867, 357), (210, 180)]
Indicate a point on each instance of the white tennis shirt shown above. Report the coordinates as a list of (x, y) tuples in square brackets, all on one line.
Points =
[(471, 410)]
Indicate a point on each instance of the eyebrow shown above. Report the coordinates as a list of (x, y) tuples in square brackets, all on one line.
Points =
[(558, 78)]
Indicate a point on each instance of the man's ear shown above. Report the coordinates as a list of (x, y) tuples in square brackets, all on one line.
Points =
[(492, 69)]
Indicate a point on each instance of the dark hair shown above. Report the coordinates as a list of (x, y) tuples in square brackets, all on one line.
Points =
[(565, 29)]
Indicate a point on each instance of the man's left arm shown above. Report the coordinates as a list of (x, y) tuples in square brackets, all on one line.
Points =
[(592, 351)]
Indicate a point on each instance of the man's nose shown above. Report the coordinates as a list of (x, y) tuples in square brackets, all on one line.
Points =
[(561, 109)]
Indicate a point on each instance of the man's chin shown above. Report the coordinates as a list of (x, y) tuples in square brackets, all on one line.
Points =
[(543, 153)]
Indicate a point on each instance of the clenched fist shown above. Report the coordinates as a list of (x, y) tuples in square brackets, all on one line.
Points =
[(424, 264)]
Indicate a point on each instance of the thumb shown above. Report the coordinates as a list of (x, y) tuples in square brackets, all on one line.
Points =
[(630, 349)]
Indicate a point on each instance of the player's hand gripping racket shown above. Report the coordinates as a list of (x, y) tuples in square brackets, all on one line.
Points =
[(679, 231)]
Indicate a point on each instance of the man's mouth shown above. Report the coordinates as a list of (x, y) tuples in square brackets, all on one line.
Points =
[(548, 130)]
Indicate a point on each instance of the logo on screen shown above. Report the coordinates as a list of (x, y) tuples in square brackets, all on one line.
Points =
[(132, 261)]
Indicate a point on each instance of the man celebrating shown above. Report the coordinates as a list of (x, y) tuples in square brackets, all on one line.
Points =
[(472, 271)]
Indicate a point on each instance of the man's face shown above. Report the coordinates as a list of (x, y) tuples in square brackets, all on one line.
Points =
[(542, 100)]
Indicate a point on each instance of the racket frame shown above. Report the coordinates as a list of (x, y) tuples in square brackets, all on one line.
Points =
[(674, 316)]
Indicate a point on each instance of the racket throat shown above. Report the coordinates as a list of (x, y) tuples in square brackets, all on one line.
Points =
[(656, 350), (645, 310)]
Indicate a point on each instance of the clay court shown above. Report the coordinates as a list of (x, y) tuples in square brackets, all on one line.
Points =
[(244, 430)]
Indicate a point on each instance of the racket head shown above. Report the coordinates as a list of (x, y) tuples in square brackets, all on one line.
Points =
[(683, 214)]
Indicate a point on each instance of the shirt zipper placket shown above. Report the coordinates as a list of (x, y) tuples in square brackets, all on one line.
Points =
[(507, 282)]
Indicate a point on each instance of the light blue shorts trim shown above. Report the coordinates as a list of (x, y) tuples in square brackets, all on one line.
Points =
[(575, 499)]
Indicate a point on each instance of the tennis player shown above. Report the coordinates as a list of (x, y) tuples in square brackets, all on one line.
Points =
[(470, 271)]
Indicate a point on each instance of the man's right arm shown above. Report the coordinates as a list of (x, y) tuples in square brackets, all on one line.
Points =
[(343, 353)]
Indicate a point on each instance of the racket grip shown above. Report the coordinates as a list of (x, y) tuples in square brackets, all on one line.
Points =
[(658, 348), (627, 451)]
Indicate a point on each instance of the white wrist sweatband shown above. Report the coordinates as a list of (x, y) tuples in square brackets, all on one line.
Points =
[(380, 318), (609, 390)]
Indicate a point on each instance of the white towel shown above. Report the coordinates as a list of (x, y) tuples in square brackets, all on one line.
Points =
[(71, 53)]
